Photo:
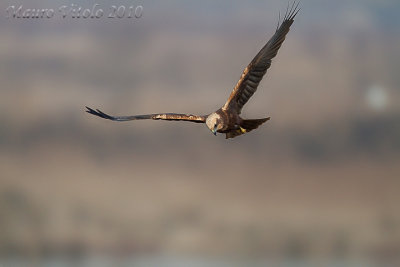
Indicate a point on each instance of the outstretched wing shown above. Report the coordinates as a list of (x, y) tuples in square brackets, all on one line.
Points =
[(160, 116), (257, 68)]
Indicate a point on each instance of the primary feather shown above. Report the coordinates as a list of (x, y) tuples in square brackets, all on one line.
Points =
[(255, 71)]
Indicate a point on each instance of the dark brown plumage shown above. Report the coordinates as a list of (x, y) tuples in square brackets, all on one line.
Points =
[(226, 119)]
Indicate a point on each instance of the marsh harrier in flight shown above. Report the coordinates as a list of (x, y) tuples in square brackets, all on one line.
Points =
[(227, 119)]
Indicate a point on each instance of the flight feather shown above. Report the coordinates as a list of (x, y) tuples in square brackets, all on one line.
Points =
[(157, 116), (255, 71)]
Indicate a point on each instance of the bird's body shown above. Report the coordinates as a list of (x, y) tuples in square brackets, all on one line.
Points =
[(230, 123), (227, 119)]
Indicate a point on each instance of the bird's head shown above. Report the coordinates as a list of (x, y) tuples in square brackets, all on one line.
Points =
[(214, 123)]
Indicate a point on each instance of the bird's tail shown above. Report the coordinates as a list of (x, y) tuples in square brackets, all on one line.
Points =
[(250, 125), (246, 126)]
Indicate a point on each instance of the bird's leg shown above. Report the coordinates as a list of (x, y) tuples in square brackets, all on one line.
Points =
[(239, 129)]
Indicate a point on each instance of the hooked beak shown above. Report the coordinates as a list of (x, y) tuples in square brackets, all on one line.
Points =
[(214, 131)]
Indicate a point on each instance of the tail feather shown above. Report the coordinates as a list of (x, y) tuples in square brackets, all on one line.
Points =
[(246, 126), (250, 125)]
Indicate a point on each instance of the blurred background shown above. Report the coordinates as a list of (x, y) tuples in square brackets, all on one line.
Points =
[(318, 185)]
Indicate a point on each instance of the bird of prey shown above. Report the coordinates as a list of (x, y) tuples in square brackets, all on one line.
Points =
[(227, 119)]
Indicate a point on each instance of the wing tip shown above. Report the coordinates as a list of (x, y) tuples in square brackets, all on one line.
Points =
[(90, 111), (98, 113), (292, 12)]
